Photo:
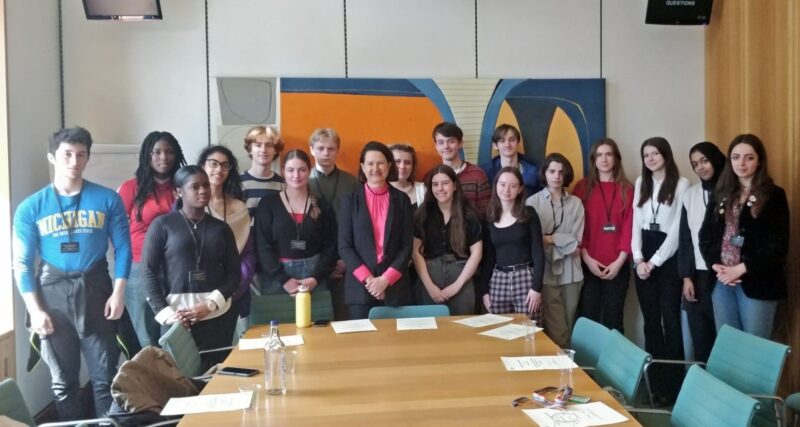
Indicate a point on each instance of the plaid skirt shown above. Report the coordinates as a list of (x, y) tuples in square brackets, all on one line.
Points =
[(508, 290)]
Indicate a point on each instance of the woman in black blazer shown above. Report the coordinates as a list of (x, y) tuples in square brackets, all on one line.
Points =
[(375, 236), (745, 240)]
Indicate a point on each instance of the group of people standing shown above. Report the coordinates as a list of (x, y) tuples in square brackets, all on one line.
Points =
[(192, 243)]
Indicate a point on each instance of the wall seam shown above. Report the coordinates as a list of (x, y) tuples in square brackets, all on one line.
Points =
[(344, 14), (208, 78), (61, 64), (475, 9)]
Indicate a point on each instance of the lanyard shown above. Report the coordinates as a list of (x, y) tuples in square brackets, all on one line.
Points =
[(553, 208), (319, 187), (607, 206), (74, 219), (198, 252), (654, 211), (298, 227)]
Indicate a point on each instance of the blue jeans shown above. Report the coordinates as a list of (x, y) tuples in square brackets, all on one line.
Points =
[(733, 307), (296, 268), (144, 321)]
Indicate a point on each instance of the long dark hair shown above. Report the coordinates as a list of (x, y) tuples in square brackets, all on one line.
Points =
[(387, 153), (459, 211), (495, 210), (312, 199), (233, 183), (729, 189), (145, 179), (618, 172), (181, 177), (666, 195)]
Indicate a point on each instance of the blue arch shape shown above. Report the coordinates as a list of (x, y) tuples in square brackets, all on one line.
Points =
[(583, 100)]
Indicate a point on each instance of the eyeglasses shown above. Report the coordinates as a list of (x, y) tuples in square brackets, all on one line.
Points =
[(213, 164)]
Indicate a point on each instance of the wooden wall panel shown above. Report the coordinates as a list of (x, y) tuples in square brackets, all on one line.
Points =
[(753, 86)]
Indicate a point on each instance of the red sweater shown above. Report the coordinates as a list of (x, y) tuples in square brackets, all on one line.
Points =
[(602, 246), (155, 205), (476, 187)]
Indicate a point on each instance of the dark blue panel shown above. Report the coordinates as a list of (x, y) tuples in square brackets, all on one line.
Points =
[(385, 87)]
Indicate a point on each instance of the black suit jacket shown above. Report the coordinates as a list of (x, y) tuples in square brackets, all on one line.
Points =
[(766, 244), (357, 245)]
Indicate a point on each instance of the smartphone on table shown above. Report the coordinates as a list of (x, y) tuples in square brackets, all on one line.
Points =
[(238, 372)]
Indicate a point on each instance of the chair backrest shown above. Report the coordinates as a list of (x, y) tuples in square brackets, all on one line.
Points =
[(179, 343), (706, 401), (12, 404), (281, 307), (621, 365), (750, 364), (746, 362), (588, 341), (408, 311)]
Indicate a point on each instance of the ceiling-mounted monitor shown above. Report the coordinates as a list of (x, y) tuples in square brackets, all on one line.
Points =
[(122, 10), (679, 12)]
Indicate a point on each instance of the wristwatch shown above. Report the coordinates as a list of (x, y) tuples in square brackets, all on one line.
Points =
[(211, 305)]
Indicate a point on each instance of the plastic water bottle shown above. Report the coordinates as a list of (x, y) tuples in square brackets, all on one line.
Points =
[(275, 362), (302, 312)]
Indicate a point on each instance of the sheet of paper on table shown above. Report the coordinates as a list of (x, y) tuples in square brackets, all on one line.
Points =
[(483, 320), (587, 414), (508, 332), (208, 403), (416, 323), (535, 363), (260, 343), (349, 326)]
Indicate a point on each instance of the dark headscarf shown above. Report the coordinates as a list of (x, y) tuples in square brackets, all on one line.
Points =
[(717, 159)]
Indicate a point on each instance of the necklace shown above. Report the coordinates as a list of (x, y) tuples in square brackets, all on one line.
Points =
[(193, 222)]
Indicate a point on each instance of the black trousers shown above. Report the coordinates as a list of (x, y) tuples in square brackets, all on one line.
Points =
[(604, 300), (660, 302), (700, 315)]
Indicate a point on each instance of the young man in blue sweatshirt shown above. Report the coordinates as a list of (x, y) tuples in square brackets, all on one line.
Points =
[(69, 294)]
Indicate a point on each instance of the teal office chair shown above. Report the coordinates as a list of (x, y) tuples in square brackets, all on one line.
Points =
[(793, 402), (621, 366), (13, 406), (408, 311), (178, 342), (752, 365), (280, 307), (704, 401), (588, 341)]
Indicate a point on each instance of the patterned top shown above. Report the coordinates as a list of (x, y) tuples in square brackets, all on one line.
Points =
[(731, 254)]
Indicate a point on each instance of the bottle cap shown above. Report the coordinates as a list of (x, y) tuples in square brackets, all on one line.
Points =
[(273, 323), (302, 288)]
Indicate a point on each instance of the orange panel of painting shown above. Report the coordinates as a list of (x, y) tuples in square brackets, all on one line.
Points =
[(359, 119)]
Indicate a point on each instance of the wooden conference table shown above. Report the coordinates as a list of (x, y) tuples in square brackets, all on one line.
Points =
[(446, 377)]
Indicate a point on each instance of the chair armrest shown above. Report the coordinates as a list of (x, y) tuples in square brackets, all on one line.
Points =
[(212, 350), (98, 421), (780, 405), (665, 362), (647, 410), (164, 423)]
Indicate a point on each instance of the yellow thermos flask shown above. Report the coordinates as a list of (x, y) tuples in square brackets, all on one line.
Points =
[(303, 307)]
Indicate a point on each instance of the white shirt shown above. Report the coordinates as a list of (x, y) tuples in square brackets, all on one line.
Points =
[(694, 200), (668, 217)]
